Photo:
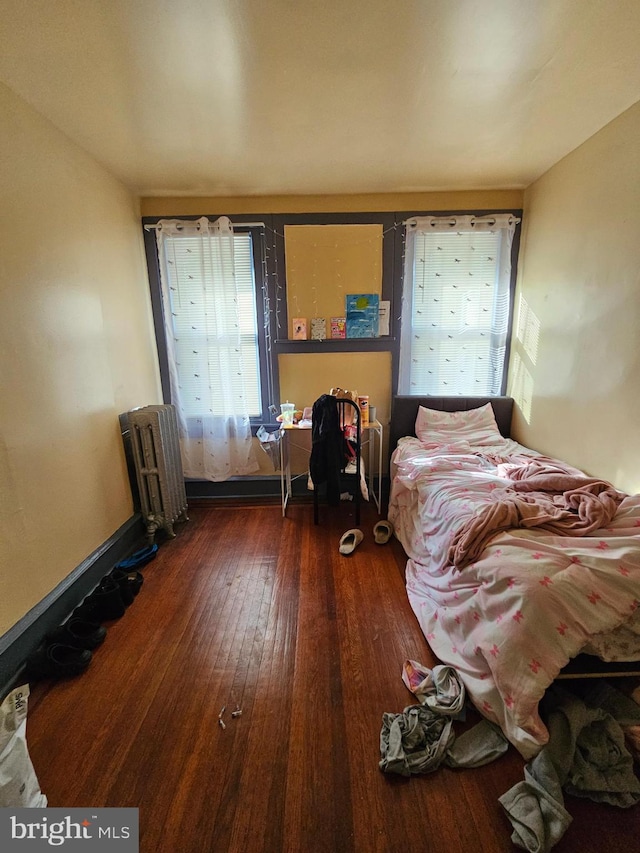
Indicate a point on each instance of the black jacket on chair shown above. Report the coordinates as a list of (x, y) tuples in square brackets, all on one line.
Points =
[(327, 447)]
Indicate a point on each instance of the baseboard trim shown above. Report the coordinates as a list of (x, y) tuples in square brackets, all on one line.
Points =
[(268, 487), (27, 634), (236, 487)]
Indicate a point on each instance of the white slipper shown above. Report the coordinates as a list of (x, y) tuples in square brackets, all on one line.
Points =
[(382, 532), (350, 540)]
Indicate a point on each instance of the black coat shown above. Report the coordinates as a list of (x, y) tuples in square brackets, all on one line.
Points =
[(327, 447)]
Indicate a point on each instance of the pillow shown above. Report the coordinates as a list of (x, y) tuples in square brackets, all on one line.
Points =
[(475, 426)]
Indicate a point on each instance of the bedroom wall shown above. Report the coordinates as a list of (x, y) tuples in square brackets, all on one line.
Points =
[(326, 262), (194, 206), (575, 359), (76, 349), (304, 375)]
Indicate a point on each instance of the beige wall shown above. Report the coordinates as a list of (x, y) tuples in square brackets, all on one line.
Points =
[(327, 262), (306, 376), (471, 200), (575, 366), (76, 349)]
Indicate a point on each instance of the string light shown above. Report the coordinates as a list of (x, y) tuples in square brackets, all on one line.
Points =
[(278, 289), (266, 301), (314, 279)]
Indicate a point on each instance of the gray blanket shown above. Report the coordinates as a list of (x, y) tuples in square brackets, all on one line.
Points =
[(586, 755)]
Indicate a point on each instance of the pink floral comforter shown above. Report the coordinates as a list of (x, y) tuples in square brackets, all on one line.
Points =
[(534, 599)]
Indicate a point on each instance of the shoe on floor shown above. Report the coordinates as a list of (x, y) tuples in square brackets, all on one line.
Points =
[(350, 540), (139, 558), (103, 604), (79, 633), (382, 532), (128, 582), (57, 660)]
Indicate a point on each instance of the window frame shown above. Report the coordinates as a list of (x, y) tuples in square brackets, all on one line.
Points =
[(262, 279), (385, 218), (275, 288), (399, 260)]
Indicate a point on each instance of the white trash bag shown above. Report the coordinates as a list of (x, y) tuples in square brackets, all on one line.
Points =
[(270, 443), (19, 787)]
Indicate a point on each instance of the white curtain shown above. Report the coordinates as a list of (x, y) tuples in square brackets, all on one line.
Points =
[(203, 330), (456, 304)]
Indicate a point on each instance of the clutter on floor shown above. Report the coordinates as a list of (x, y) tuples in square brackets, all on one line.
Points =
[(592, 730), (19, 786), (68, 650)]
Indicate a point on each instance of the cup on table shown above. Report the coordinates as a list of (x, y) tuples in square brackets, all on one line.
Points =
[(287, 410)]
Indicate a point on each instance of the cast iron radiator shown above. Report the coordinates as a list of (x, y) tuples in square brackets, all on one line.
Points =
[(158, 466)]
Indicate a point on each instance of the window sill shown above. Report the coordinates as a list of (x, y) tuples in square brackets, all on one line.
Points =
[(336, 345)]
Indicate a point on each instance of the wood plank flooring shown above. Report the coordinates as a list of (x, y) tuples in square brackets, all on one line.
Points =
[(247, 608)]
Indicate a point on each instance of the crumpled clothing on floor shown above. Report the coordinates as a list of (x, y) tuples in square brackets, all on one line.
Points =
[(586, 755), (421, 738), (414, 741), (480, 745), (440, 688)]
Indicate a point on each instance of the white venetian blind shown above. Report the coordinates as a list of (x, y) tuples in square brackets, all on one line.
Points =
[(212, 363), (456, 305)]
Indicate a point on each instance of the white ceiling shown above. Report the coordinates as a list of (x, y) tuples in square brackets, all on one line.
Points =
[(255, 97)]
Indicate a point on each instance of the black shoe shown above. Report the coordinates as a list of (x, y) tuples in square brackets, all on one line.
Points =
[(80, 633), (104, 604), (129, 584), (57, 660)]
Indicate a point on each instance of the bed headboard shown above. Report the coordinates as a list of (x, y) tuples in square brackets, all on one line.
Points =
[(404, 410)]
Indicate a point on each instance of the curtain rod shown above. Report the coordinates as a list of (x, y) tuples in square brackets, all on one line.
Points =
[(233, 224), (453, 217)]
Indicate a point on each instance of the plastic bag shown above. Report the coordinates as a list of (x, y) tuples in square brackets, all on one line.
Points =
[(270, 443), (19, 787)]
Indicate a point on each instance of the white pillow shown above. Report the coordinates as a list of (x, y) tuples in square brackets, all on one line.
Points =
[(475, 426)]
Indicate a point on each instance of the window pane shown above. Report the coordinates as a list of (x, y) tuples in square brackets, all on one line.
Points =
[(204, 324), (458, 313)]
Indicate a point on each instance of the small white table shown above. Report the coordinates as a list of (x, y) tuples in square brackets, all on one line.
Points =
[(375, 429), (370, 433)]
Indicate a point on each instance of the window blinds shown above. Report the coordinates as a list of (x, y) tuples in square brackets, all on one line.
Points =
[(456, 301), (211, 365)]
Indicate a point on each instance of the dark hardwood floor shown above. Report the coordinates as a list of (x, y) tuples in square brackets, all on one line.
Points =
[(245, 608)]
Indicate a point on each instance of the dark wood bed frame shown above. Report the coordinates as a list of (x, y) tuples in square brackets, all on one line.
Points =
[(404, 410)]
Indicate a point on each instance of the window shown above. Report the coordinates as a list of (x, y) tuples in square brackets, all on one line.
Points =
[(202, 316), (214, 347), (456, 305)]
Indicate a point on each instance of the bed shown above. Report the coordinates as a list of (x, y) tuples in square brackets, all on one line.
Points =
[(510, 607)]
